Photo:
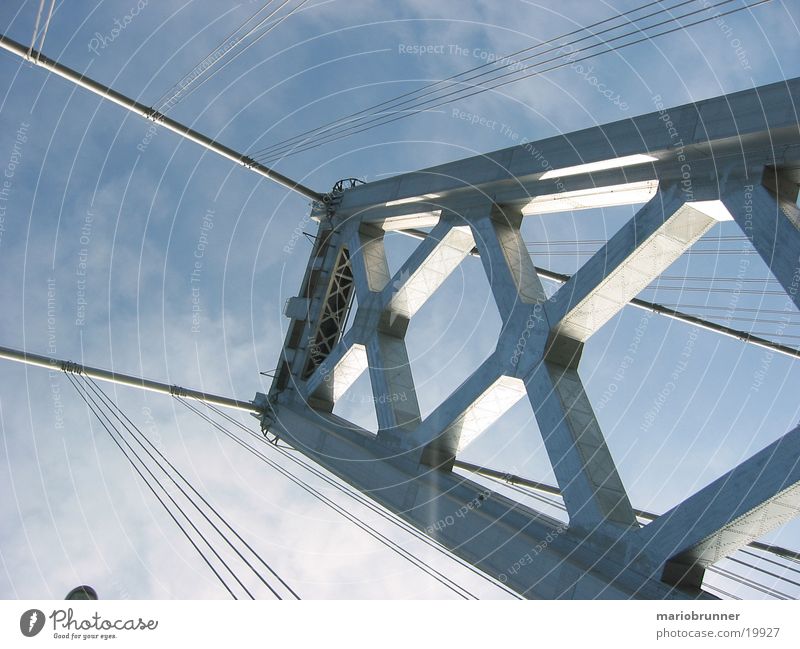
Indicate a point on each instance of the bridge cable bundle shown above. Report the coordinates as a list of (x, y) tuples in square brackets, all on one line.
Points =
[(153, 470), (407, 104)]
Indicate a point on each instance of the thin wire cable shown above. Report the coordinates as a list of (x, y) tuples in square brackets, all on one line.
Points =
[(358, 497), (348, 118), (748, 582), (165, 96), (698, 278), (777, 563), (720, 590), (344, 512), (447, 101), (517, 488), (176, 88), (708, 290), (568, 242), (514, 72), (700, 289), (123, 418), (417, 110), (249, 45), (400, 523), (384, 540), (46, 27), (169, 496), (36, 28), (530, 490), (726, 308), (363, 525), (525, 492), (773, 333), (589, 253), (152, 489), (285, 451), (199, 495), (753, 321), (230, 60), (765, 571)]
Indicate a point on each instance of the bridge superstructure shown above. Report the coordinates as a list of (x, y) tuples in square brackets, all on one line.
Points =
[(730, 158)]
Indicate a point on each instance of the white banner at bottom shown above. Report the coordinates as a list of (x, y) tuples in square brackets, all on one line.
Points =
[(388, 624)]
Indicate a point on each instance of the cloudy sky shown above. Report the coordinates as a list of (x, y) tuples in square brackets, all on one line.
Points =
[(104, 218)]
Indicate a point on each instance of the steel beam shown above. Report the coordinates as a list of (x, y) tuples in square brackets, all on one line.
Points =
[(770, 219), (749, 129), (668, 312), (393, 391), (506, 261), (686, 166), (516, 480), (587, 476), (336, 374), (125, 379), (635, 256), (425, 271), (750, 500), (531, 553), (37, 58)]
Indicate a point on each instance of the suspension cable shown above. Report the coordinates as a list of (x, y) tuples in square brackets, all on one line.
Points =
[(348, 118), (443, 579), (530, 493), (731, 575), (120, 415), (157, 118), (446, 100), (36, 28), (712, 307), (772, 561), (383, 539), (765, 571), (188, 76), (246, 47), (749, 582), (150, 486), (358, 497), (170, 497), (46, 27)]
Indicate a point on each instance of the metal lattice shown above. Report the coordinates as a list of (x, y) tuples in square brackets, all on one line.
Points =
[(477, 206)]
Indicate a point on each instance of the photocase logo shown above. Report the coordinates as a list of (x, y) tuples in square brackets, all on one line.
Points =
[(31, 622)]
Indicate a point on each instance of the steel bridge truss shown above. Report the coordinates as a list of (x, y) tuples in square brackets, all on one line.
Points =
[(730, 158), (734, 157)]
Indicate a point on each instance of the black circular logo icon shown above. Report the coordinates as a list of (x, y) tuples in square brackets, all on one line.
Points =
[(31, 622)]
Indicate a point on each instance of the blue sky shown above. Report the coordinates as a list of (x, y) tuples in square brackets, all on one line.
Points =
[(74, 513)]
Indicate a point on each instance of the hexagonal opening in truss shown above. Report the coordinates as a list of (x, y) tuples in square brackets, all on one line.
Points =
[(513, 444), (646, 417), (357, 404), (647, 413), (452, 334), (398, 247)]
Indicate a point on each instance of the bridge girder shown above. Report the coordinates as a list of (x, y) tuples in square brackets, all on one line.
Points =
[(734, 157)]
